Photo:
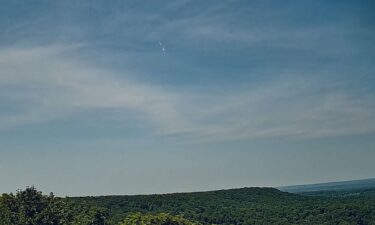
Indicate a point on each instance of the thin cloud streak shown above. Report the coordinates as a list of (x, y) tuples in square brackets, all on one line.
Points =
[(56, 83), (285, 111), (48, 83)]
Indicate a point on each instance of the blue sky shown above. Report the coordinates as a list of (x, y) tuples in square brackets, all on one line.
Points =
[(125, 97)]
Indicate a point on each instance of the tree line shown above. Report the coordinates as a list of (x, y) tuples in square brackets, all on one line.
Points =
[(248, 206)]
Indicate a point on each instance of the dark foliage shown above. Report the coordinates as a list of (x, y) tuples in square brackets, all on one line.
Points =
[(31, 207), (237, 206), (245, 206), (156, 219)]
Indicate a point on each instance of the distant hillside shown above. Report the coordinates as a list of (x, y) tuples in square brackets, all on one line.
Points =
[(331, 186), (363, 192), (243, 206)]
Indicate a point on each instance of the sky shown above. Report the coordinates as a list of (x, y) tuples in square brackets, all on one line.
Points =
[(136, 97)]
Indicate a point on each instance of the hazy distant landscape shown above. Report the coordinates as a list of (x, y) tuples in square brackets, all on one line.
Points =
[(251, 206), (332, 186), (353, 205)]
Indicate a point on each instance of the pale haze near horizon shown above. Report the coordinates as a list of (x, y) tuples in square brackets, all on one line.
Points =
[(132, 97)]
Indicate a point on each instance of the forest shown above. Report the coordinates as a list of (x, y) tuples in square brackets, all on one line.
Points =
[(234, 206)]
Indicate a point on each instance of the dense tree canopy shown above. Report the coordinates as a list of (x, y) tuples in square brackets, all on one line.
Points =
[(247, 206), (31, 207), (156, 219)]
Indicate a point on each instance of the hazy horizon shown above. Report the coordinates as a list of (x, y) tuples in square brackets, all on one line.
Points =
[(209, 190), (134, 97)]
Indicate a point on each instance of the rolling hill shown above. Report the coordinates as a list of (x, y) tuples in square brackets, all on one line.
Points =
[(331, 186), (244, 206)]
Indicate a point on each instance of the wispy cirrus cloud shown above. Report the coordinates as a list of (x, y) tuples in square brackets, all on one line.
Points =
[(50, 84), (40, 84), (294, 110), (302, 72)]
